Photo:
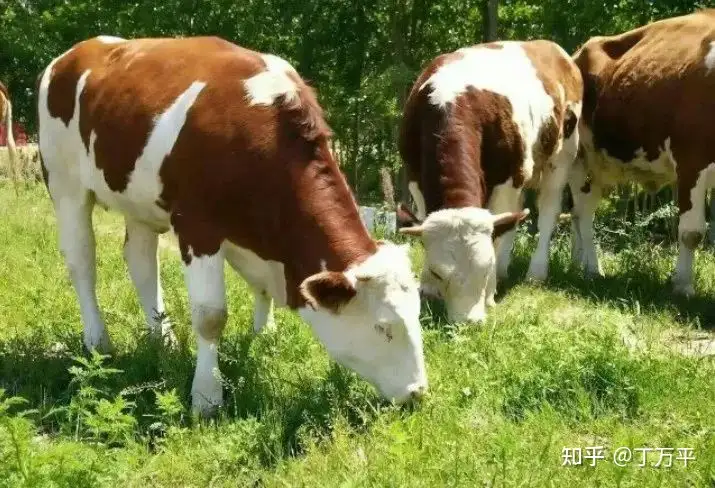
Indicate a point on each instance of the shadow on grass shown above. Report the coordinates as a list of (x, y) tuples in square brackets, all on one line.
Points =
[(640, 286), (290, 411)]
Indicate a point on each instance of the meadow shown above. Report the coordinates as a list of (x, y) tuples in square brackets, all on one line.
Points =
[(614, 362)]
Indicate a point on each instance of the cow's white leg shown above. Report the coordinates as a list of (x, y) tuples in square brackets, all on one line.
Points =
[(550, 193), (140, 253), (76, 236), (491, 288), (263, 312), (505, 198), (586, 196), (207, 296), (419, 199), (691, 228)]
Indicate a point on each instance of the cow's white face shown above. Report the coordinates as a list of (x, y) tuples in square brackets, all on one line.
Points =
[(368, 319), (460, 260)]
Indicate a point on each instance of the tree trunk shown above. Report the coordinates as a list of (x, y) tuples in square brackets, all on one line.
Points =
[(490, 20), (388, 190)]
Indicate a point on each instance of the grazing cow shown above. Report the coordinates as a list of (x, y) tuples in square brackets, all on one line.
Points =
[(228, 148), (6, 115), (649, 100), (481, 124)]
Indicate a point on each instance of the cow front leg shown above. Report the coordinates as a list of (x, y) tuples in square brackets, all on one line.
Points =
[(552, 187), (505, 198), (207, 296), (586, 195), (691, 228)]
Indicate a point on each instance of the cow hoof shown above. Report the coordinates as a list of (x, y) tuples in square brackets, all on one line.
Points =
[(101, 344), (538, 271), (683, 289), (206, 404), (268, 327)]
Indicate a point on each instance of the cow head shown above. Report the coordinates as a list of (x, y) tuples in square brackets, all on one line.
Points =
[(368, 319), (459, 255)]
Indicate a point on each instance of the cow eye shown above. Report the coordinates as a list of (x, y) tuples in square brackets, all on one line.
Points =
[(436, 275)]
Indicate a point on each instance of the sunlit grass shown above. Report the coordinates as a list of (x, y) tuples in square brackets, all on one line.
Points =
[(574, 363)]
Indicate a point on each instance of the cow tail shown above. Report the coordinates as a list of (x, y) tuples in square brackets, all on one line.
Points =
[(11, 148)]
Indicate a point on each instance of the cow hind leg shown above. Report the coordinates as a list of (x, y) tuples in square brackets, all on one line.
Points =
[(691, 227), (140, 254), (586, 196), (207, 296), (77, 244)]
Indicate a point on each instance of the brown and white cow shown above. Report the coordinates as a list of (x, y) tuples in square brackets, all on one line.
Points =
[(480, 125), (649, 104), (6, 116), (229, 148)]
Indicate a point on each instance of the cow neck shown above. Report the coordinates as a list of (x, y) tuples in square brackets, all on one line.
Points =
[(327, 231)]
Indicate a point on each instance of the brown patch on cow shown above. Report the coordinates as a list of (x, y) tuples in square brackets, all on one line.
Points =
[(492, 45), (549, 137), (260, 177), (570, 123), (330, 290), (648, 85), (410, 128)]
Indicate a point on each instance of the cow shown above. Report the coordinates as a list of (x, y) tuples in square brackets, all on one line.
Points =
[(227, 148), (647, 110), (6, 117), (481, 124)]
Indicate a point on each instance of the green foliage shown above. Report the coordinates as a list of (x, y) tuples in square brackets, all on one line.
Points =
[(550, 368), (362, 56), (93, 414)]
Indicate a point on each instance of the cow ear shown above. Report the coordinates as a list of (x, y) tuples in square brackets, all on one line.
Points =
[(328, 290), (506, 221), (405, 218)]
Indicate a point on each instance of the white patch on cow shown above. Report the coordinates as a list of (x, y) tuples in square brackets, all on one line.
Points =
[(378, 333), (264, 87), (710, 57), (110, 39), (418, 198), (460, 260), (206, 288), (692, 226), (144, 188), (507, 71)]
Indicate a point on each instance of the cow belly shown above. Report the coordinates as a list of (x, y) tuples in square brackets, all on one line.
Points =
[(138, 201), (609, 171)]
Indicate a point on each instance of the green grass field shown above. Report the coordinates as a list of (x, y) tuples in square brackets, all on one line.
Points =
[(614, 362)]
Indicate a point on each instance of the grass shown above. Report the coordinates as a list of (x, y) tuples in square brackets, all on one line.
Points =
[(573, 363)]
